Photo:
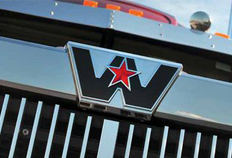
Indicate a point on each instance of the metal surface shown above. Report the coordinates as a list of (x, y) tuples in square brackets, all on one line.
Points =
[(197, 145), (230, 149), (68, 135), (101, 59), (200, 21), (108, 139), (230, 22), (51, 132), (213, 147), (36, 65), (165, 32), (129, 141), (86, 137), (206, 102), (3, 111), (181, 142), (123, 22), (45, 70), (17, 128), (164, 142), (147, 142), (63, 12), (34, 130), (87, 142)]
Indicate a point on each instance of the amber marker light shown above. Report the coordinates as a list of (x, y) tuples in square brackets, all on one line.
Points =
[(90, 3), (222, 35), (113, 7), (136, 12)]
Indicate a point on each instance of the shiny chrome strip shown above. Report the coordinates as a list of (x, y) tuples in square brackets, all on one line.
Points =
[(230, 149), (17, 128), (214, 145), (68, 135), (52, 130), (34, 129), (164, 142), (147, 142), (181, 142), (3, 111), (129, 141), (86, 136), (108, 139), (197, 146)]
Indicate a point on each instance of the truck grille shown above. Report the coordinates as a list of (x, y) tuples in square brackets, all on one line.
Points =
[(35, 129)]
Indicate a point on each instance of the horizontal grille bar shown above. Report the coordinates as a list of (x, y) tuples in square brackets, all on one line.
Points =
[(35, 129)]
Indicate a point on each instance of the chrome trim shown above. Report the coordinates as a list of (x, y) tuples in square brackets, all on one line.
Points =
[(95, 17), (213, 147), (52, 131), (181, 142), (17, 128), (230, 149), (34, 129), (164, 142), (212, 96), (86, 137), (68, 135), (123, 22), (197, 145), (108, 139), (147, 142), (32, 59), (3, 111), (118, 103), (129, 141), (210, 93)]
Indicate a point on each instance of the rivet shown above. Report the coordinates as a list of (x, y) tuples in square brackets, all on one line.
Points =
[(160, 25), (161, 35), (52, 13), (210, 36), (212, 46), (25, 132), (56, 3)]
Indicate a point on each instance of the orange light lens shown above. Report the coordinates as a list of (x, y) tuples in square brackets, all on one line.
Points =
[(222, 35), (136, 12), (90, 3), (113, 7)]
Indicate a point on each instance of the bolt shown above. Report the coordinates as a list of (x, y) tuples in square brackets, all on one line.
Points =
[(25, 132)]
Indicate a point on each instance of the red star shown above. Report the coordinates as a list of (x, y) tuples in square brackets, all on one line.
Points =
[(122, 74)]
